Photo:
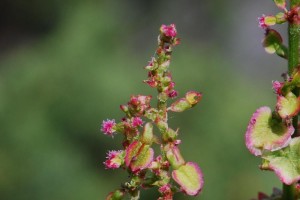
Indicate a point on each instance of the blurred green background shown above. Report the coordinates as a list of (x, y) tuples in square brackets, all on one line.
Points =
[(67, 65)]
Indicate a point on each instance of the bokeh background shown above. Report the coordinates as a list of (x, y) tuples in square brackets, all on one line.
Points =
[(67, 65)]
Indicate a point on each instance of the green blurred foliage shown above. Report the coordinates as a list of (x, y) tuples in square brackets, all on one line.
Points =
[(55, 92)]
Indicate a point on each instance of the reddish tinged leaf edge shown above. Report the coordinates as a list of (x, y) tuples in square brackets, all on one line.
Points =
[(276, 145)]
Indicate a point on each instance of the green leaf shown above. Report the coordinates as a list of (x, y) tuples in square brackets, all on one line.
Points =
[(286, 162), (131, 151), (174, 156), (273, 43), (147, 135), (193, 97), (143, 158), (280, 4), (267, 132), (180, 105), (288, 106), (189, 176)]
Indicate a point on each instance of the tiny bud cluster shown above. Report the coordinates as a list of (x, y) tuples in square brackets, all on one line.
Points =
[(166, 169)]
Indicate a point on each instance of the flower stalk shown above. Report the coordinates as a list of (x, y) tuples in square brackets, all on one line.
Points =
[(166, 169)]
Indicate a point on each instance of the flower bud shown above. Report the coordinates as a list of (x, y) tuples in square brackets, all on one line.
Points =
[(161, 124), (124, 108), (169, 31), (139, 104), (277, 86), (152, 65), (136, 122), (266, 21), (280, 4), (170, 135), (280, 18)]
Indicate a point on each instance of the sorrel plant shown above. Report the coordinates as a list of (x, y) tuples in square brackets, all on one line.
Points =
[(273, 134), (167, 170)]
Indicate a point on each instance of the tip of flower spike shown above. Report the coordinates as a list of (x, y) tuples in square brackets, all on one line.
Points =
[(266, 133), (168, 30), (190, 177), (108, 127)]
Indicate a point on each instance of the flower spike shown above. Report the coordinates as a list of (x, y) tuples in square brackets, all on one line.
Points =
[(168, 171)]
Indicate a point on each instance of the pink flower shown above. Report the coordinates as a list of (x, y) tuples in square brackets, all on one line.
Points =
[(139, 104), (166, 191), (266, 21), (114, 159), (173, 94), (137, 121), (169, 31), (277, 86), (261, 22), (108, 127)]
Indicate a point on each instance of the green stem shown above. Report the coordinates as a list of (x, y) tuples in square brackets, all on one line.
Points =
[(288, 192), (136, 195), (293, 61), (293, 55), (293, 37)]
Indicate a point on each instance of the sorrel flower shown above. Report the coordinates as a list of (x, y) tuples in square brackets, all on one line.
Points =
[(137, 121), (108, 127), (277, 87), (266, 21), (172, 94), (114, 159)]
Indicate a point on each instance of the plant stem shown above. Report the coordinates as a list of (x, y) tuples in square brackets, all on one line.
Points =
[(293, 37), (293, 54), (136, 195), (288, 192), (293, 61)]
